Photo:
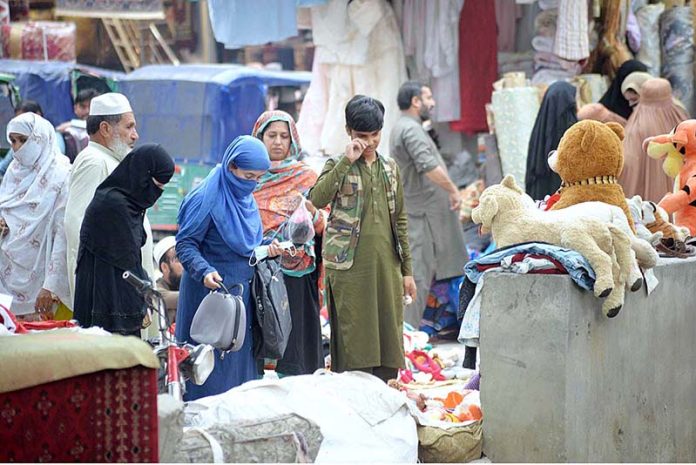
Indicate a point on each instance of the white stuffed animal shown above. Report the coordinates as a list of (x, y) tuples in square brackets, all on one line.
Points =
[(504, 211), (643, 251), (643, 215)]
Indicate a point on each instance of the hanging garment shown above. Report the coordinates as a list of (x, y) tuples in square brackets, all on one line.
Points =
[(557, 114), (572, 32), (237, 23), (633, 34), (478, 63), (431, 44), (441, 58), (358, 47), (506, 15), (515, 111)]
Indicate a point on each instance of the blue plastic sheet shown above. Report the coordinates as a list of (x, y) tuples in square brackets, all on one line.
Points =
[(49, 84), (195, 111)]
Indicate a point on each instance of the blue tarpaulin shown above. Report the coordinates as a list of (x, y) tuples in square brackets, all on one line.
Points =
[(195, 111), (49, 84)]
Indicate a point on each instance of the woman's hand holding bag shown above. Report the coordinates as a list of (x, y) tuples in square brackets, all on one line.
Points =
[(221, 318)]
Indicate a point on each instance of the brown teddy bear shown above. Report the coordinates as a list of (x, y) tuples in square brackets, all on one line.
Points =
[(589, 160)]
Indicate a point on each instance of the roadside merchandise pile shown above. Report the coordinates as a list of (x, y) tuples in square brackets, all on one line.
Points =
[(443, 398)]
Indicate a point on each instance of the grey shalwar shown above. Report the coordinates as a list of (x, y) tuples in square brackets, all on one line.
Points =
[(435, 232)]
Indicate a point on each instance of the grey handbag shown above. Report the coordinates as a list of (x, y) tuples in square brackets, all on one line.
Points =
[(221, 320)]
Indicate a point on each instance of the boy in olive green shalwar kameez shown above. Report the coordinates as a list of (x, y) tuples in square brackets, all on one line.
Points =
[(365, 251)]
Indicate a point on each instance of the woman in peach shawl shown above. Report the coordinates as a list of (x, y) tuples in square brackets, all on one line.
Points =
[(278, 194)]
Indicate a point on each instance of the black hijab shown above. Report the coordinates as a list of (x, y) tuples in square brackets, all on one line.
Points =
[(613, 98), (558, 112), (112, 228)]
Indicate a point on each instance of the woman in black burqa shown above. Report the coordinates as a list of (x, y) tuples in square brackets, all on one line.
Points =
[(558, 112), (111, 237)]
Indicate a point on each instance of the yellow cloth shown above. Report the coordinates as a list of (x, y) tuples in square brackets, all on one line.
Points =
[(63, 313), (32, 359)]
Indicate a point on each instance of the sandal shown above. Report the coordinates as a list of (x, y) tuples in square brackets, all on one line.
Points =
[(425, 364), (676, 249)]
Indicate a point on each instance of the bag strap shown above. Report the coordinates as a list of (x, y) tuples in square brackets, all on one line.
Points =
[(241, 287), (238, 315), (215, 447)]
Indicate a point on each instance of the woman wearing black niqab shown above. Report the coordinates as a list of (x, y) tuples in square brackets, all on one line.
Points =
[(558, 112), (111, 238), (613, 99), (613, 106)]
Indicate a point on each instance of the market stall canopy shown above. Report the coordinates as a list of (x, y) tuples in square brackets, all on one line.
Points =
[(50, 84), (195, 111)]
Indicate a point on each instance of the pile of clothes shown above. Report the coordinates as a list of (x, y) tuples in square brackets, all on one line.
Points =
[(531, 257), (440, 315), (548, 66)]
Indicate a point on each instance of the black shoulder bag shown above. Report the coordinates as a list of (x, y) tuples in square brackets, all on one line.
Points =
[(272, 320)]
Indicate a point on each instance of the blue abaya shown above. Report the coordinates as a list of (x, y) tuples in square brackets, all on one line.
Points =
[(219, 227), (201, 254)]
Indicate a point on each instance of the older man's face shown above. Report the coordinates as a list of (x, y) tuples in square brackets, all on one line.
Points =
[(125, 129)]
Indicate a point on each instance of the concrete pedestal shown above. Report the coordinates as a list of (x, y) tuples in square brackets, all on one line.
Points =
[(563, 383)]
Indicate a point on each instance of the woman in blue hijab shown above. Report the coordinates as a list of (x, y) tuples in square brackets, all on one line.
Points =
[(219, 228)]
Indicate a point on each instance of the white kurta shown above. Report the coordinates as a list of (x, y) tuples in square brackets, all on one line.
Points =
[(91, 167), (358, 51)]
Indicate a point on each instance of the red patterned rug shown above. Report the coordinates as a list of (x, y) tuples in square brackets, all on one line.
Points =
[(108, 416)]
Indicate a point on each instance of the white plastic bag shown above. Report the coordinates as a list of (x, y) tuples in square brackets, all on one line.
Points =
[(300, 227)]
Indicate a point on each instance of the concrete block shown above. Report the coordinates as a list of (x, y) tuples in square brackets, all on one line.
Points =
[(560, 382)]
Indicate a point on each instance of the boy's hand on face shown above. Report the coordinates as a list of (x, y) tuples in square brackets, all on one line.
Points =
[(355, 149)]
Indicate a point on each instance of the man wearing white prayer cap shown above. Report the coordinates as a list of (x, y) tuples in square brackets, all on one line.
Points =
[(112, 135)]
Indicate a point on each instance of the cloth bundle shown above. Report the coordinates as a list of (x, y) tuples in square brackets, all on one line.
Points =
[(648, 21), (561, 40), (515, 111), (39, 40), (509, 62), (591, 87), (677, 45)]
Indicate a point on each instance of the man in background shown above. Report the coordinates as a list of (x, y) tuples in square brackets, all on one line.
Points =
[(74, 132), (171, 269), (432, 200)]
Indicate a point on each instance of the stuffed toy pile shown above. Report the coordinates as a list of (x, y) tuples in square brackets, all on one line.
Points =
[(509, 214)]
